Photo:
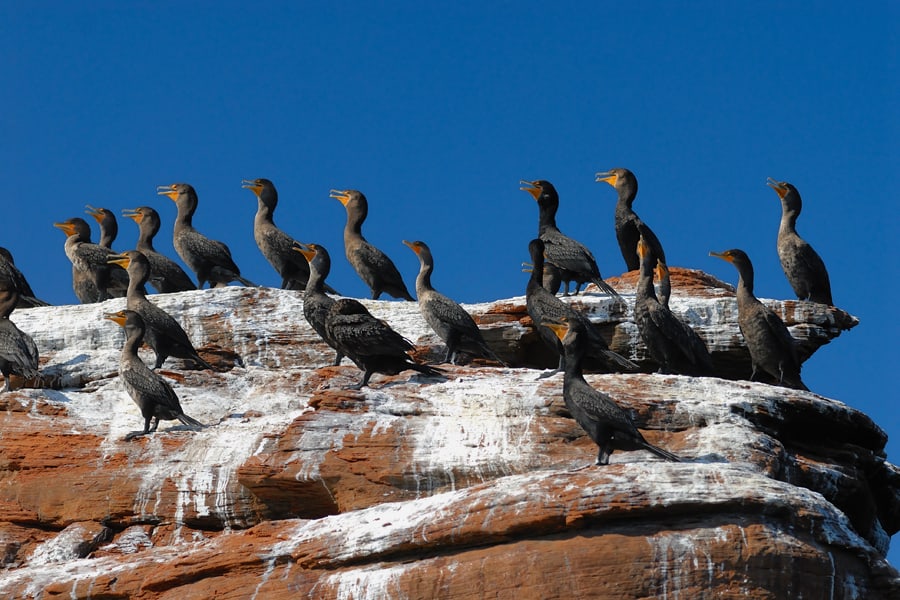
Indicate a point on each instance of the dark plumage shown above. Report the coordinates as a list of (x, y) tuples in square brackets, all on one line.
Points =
[(93, 280), (543, 305), (604, 421), (665, 283), (448, 319), (315, 301), (670, 341), (18, 352), (275, 244), (370, 342), (803, 267), (209, 259), (166, 275), (153, 395), (372, 265), (109, 227), (629, 226), (771, 346), (162, 332), (574, 262), (10, 272)]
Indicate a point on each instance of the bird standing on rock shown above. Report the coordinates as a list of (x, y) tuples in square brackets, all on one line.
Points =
[(165, 274), (153, 395), (604, 421), (370, 342), (209, 259), (275, 244), (449, 320), (573, 260), (161, 331), (8, 270), (629, 226), (371, 264), (315, 301), (803, 267), (18, 352), (93, 280), (771, 346)]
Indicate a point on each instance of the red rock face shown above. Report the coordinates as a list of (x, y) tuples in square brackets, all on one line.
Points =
[(419, 488)]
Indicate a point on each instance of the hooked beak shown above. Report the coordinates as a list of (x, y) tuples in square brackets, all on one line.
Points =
[(341, 195), (116, 317), (118, 259), (308, 252), (531, 187), (167, 190), (608, 177), (133, 214), (779, 187), (252, 185)]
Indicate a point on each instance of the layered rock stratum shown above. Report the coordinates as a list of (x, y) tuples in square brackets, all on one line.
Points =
[(476, 486)]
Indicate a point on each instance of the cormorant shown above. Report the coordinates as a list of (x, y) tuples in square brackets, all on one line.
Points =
[(665, 283), (803, 267), (604, 421), (18, 352), (275, 244), (153, 395), (93, 280), (771, 346), (9, 271), (370, 342), (109, 227), (162, 332), (670, 341), (448, 319), (629, 226), (372, 265), (574, 261), (315, 301), (542, 305), (166, 275), (209, 259)]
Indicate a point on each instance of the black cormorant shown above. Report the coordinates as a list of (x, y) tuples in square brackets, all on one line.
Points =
[(574, 262), (542, 305), (209, 259), (370, 342), (153, 395), (605, 422), (804, 268), (670, 341), (18, 352), (372, 265), (448, 319), (315, 301), (629, 226), (93, 280), (166, 275), (9, 271), (162, 332), (771, 346)]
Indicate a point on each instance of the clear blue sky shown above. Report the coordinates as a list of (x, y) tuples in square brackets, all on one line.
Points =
[(436, 111)]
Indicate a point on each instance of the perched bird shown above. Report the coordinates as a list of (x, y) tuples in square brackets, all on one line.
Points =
[(166, 275), (18, 352), (275, 244), (543, 305), (109, 227), (315, 301), (448, 319), (804, 268), (93, 280), (571, 258), (604, 421), (372, 265), (670, 341), (153, 395), (629, 226), (370, 342), (209, 259), (162, 332), (9, 271), (771, 346)]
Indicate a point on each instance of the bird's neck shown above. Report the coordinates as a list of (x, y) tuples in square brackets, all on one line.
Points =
[(133, 342), (788, 221), (546, 219), (745, 284), (136, 281), (645, 282), (265, 213), (423, 279)]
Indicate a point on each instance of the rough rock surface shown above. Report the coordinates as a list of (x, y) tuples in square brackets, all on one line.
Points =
[(469, 487)]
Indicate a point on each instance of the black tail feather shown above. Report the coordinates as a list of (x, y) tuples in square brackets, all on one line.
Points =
[(662, 453)]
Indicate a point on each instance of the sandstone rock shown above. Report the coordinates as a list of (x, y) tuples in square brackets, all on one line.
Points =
[(464, 488)]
